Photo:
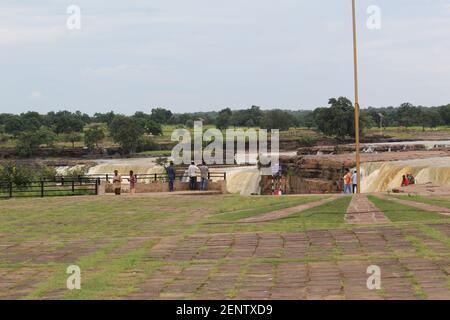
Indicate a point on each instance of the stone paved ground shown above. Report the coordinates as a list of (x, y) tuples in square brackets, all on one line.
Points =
[(315, 264), (362, 211), (289, 266)]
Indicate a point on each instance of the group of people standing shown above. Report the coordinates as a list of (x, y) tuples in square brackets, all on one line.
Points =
[(204, 176), (192, 174), (117, 182), (171, 175), (350, 181)]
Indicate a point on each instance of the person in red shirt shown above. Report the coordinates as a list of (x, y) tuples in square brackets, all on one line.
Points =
[(405, 181)]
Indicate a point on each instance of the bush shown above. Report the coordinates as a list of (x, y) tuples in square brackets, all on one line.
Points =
[(20, 176), (75, 172), (46, 172)]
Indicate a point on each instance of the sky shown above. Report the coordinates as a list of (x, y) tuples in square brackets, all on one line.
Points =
[(201, 55)]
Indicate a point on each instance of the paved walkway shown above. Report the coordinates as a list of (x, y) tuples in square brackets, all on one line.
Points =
[(275, 215), (419, 205), (362, 211), (306, 269)]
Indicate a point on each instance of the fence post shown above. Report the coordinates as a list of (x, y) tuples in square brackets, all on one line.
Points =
[(42, 188), (209, 175), (97, 182), (156, 177), (225, 176), (107, 178), (10, 189), (62, 181), (79, 180), (73, 187)]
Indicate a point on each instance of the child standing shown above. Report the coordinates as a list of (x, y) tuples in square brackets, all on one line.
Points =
[(133, 181)]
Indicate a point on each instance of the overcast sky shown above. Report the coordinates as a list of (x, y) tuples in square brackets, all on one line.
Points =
[(197, 55)]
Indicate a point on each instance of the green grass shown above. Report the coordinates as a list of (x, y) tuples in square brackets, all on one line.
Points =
[(435, 234), (397, 212), (435, 201), (329, 215), (115, 270), (261, 206)]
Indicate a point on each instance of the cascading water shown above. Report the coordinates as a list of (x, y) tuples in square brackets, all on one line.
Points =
[(383, 176), (139, 166), (240, 180)]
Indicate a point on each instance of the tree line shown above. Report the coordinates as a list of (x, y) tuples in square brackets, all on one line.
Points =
[(31, 129)]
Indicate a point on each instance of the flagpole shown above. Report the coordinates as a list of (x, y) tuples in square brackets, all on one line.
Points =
[(355, 63)]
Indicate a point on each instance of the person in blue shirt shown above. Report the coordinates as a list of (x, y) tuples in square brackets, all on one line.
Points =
[(170, 170), (355, 181)]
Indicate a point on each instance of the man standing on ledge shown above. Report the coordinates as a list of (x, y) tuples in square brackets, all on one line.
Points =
[(117, 182), (171, 175), (204, 172), (355, 181), (192, 172)]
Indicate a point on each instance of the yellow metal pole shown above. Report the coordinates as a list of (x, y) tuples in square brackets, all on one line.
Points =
[(355, 62)]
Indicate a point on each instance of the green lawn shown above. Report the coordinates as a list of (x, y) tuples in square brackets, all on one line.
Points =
[(110, 238), (329, 215), (249, 207), (436, 201), (397, 212)]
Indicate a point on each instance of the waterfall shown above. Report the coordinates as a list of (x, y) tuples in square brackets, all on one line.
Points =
[(243, 180), (240, 180), (139, 166), (382, 176)]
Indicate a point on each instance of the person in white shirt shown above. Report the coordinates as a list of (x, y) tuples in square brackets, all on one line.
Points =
[(192, 172)]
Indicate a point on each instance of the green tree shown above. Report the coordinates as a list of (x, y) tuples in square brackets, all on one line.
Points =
[(66, 121), (126, 131), (93, 136), (223, 120), (338, 120), (152, 127), (407, 115), (431, 118), (104, 117), (72, 137), (161, 115), (277, 119), (28, 142), (14, 126), (444, 113)]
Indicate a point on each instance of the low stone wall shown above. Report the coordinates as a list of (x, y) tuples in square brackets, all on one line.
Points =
[(159, 186)]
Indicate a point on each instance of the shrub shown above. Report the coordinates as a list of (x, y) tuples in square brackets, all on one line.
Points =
[(20, 176)]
